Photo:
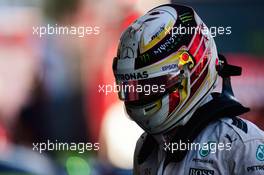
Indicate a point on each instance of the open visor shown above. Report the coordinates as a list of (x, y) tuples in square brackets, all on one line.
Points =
[(144, 91)]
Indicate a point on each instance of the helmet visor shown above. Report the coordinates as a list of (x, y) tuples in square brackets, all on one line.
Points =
[(148, 90), (143, 86)]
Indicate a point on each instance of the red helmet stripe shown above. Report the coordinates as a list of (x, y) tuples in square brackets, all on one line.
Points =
[(195, 43), (200, 51), (174, 100), (198, 83)]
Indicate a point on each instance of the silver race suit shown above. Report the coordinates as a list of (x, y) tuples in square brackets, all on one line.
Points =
[(238, 149), (214, 142)]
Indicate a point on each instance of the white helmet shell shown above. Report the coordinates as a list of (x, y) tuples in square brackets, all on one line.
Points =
[(172, 48)]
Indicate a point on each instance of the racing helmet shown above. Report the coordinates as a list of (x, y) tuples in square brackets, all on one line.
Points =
[(165, 67)]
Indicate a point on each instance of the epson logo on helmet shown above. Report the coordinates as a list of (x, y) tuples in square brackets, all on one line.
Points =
[(132, 76), (169, 67)]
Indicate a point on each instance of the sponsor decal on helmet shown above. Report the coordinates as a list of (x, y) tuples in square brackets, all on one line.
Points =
[(132, 76), (260, 153), (169, 67), (162, 28), (144, 58), (185, 17), (196, 171), (127, 53), (168, 44)]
